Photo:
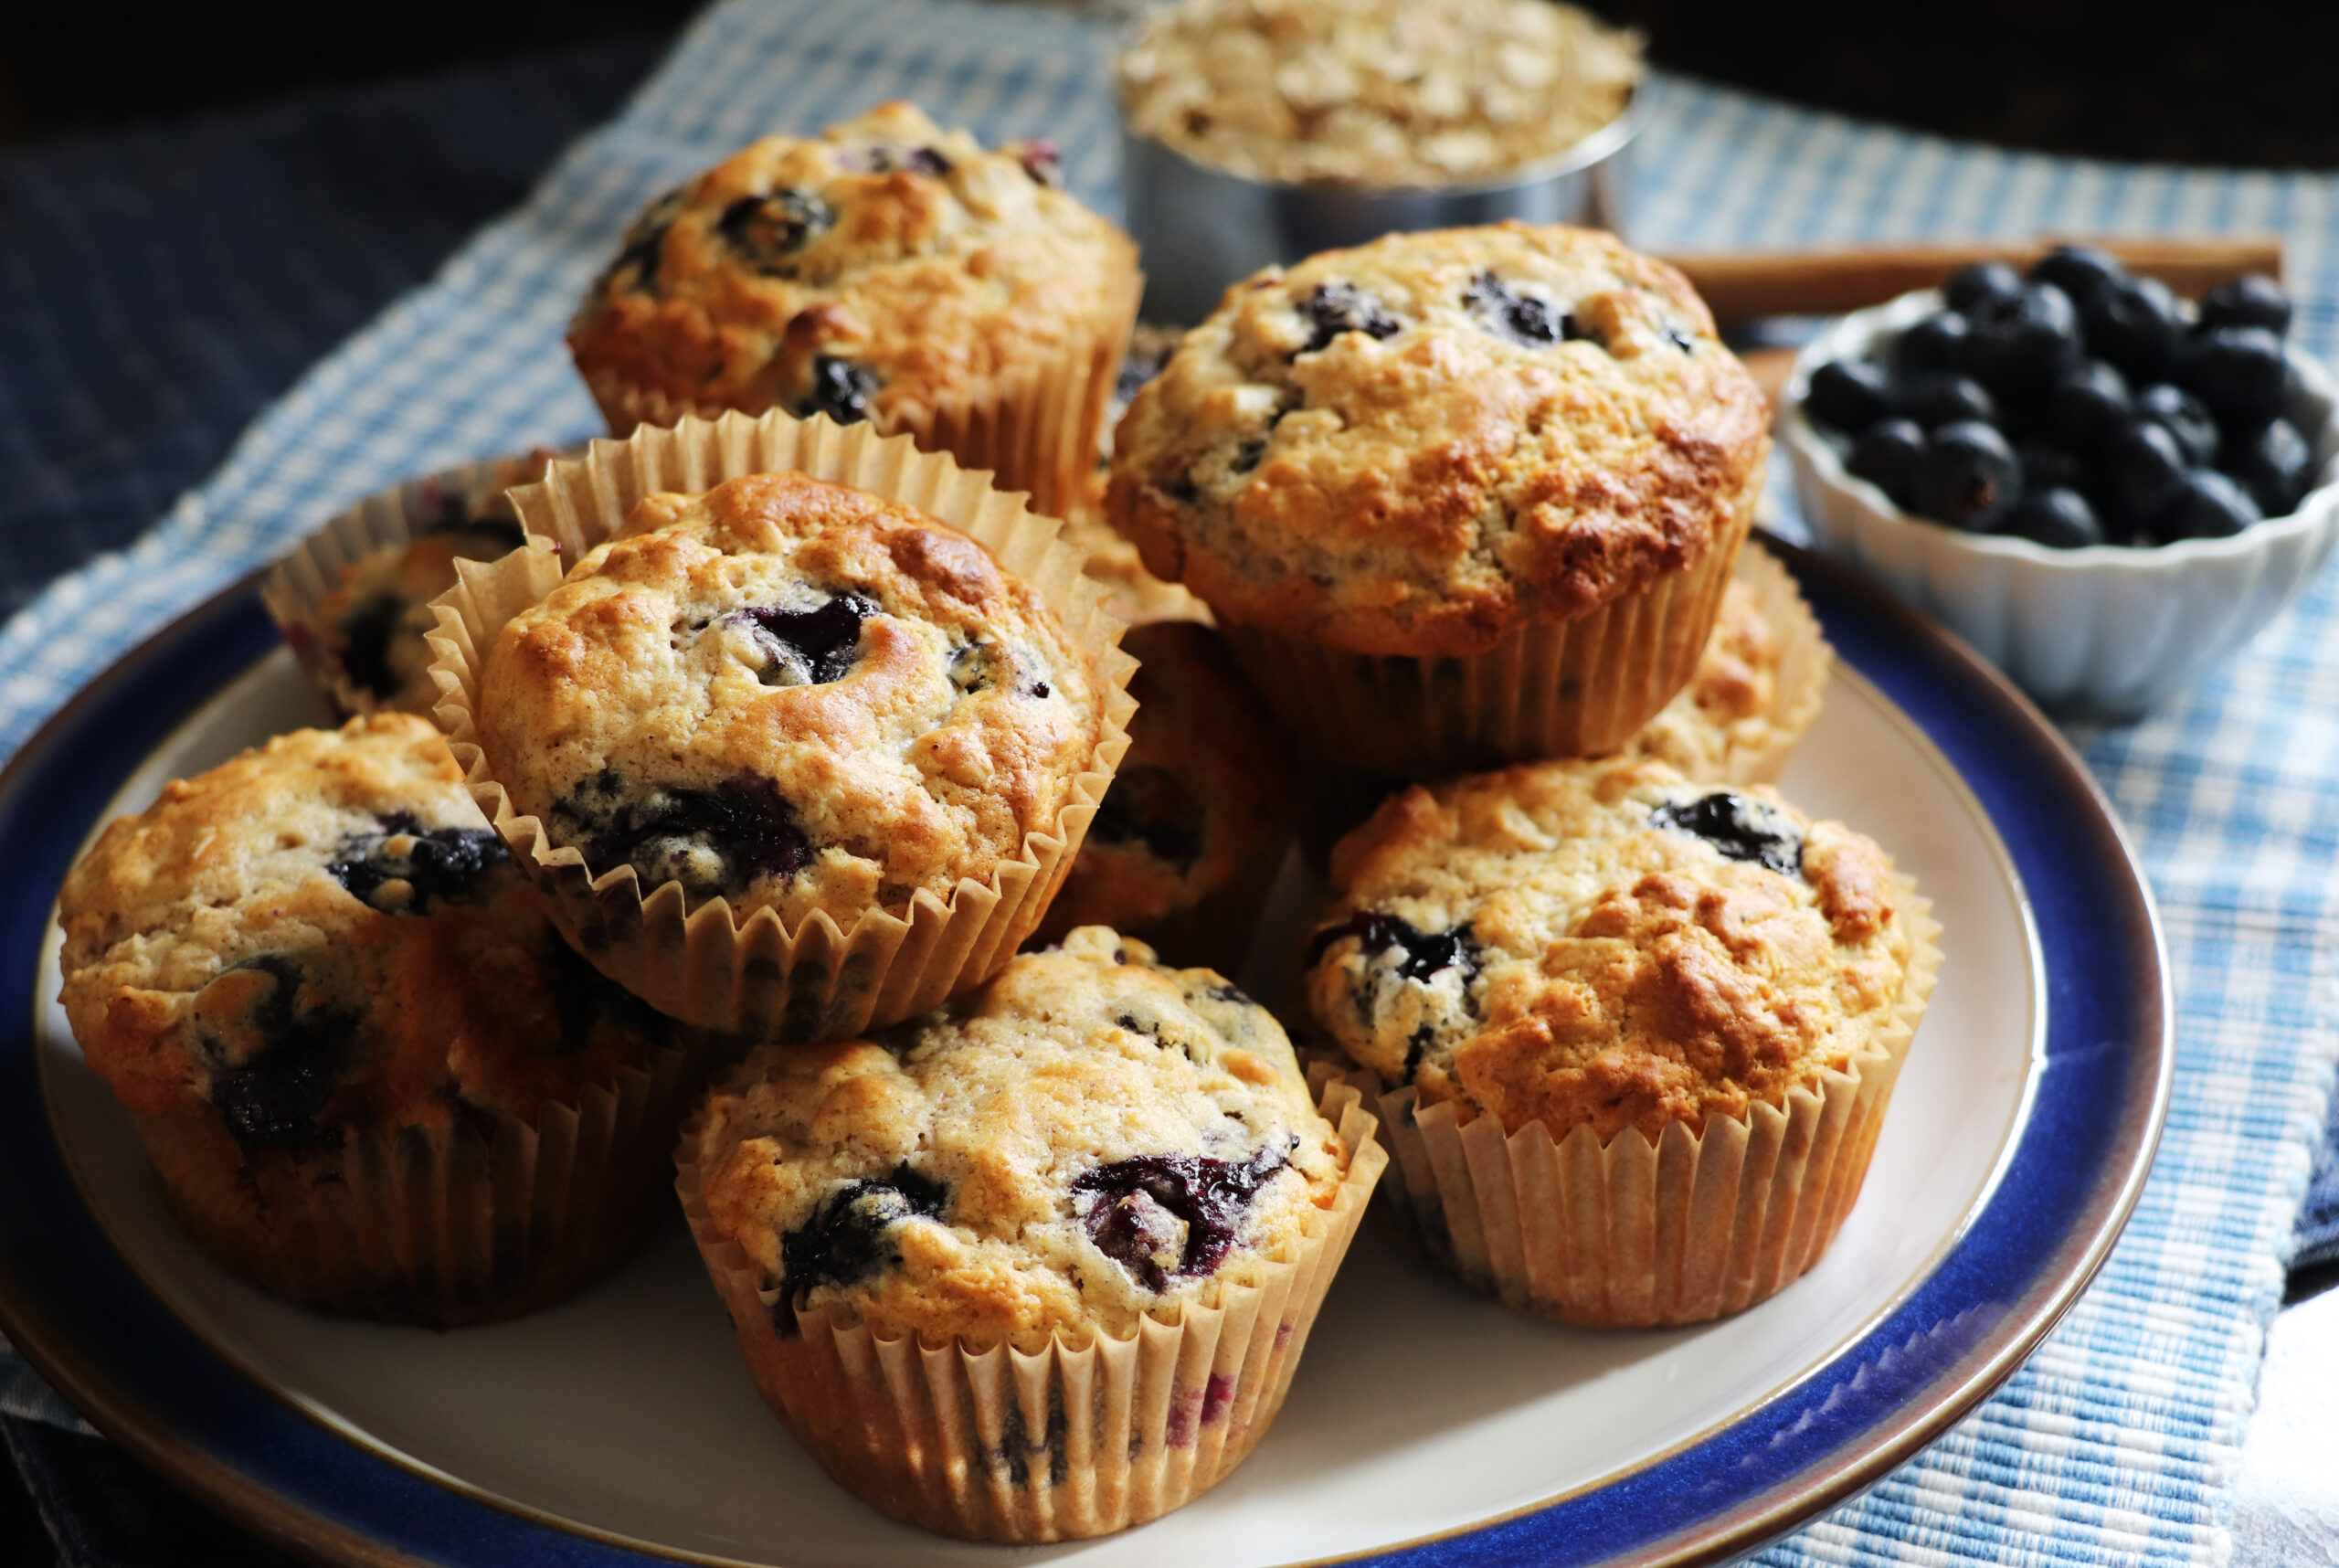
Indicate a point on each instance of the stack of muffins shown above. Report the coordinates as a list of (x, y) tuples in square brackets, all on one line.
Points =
[(790, 749)]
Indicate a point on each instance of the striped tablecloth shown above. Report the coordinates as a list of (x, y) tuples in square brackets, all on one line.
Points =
[(2116, 1442)]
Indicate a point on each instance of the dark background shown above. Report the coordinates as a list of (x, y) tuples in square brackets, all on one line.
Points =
[(2244, 81)]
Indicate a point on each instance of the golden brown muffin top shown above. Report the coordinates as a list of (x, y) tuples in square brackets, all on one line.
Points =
[(1089, 1139), (793, 694), (1201, 802), (1606, 943), (324, 933), (1417, 446), (884, 263)]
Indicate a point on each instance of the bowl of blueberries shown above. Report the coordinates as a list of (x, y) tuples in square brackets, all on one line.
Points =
[(2104, 489)]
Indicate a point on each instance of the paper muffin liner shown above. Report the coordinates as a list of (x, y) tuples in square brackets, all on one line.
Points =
[(1640, 1235), (1805, 661), (1035, 427), (709, 967), (1578, 687), (464, 1222), (297, 589), (987, 1443)]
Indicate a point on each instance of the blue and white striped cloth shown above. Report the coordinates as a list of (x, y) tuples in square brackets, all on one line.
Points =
[(2116, 1443)]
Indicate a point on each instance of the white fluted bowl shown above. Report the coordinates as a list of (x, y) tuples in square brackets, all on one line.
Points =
[(2106, 630)]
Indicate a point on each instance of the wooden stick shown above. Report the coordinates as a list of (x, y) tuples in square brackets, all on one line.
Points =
[(1746, 285)]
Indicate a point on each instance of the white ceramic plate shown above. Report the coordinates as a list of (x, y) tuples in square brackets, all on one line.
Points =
[(1421, 1414)]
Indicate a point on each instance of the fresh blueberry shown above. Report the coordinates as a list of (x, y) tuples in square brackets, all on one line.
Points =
[(1940, 398), (2239, 372), (767, 230), (2059, 518), (2048, 468), (1930, 345), (1885, 456), (1165, 1216), (2085, 405), (2275, 465), (1508, 313), (1148, 805), (808, 647), (273, 1098), (1738, 826), (2205, 505), (2016, 343), (2135, 324), (1965, 474), (2077, 269), (2255, 300), (1427, 952), (2186, 418), (1331, 309), (712, 841), (850, 1235), (840, 389), (435, 865), (2141, 466), (1847, 394), (1983, 283)]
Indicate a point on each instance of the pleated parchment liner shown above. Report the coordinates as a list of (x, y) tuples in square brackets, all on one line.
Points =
[(1337, 799), (1754, 751), (993, 1444), (296, 589), (463, 1222), (709, 967), (1635, 1235), (1036, 426), (1578, 687)]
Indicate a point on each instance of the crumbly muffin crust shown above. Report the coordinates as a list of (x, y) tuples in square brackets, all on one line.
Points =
[(1605, 943), (793, 694), (323, 935), (1419, 445), (884, 263), (1089, 1139), (1198, 806)]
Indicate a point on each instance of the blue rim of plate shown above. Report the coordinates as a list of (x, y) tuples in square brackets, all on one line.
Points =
[(75, 1310)]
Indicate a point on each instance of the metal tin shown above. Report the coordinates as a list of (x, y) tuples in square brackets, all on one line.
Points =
[(1201, 228)]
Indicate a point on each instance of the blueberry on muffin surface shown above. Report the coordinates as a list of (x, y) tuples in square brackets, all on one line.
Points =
[(1089, 1139), (791, 695), (1607, 944)]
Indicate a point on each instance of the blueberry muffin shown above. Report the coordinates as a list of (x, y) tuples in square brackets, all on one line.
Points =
[(354, 599), (793, 695), (317, 982), (1089, 1159), (886, 271), (1456, 496), (1625, 961), (1182, 848)]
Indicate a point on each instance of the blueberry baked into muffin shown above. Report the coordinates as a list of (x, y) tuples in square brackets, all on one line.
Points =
[(323, 991), (886, 271), (1455, 496), (1607, 973), (786, 717), (1113, 1168), (1194, 828)]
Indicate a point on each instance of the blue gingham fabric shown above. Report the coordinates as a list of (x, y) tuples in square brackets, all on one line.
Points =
[(2115, 1443)]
